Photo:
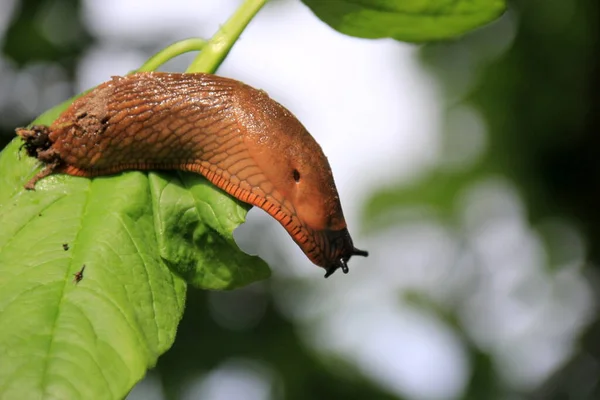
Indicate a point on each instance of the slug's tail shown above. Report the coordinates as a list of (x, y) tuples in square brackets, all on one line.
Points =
[(36, 141)]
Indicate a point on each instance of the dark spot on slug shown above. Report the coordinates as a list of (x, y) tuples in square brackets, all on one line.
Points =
[(296, 176)]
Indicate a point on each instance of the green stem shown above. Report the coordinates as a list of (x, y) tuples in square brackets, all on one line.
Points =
[(171, 51), (219, 45)]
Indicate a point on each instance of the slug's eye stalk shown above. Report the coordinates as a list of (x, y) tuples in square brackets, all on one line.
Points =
[(343, 262), (362, 253)]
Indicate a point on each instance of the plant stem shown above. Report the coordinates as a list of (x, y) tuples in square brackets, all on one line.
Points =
[(171, 51), (219, 45)]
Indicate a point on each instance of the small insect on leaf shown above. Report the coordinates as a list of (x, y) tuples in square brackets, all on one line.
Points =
[(65, 246), (79, 275)]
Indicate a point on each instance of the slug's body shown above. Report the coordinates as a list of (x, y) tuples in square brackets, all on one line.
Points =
[(236, 136)]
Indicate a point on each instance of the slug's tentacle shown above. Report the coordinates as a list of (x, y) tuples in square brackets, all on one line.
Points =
[(236, 136), (343, 262)]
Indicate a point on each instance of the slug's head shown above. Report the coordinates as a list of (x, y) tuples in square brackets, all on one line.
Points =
[(340, 249), (298, 182), (318, 224), (320, 228)]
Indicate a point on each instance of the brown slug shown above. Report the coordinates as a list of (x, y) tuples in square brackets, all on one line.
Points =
[(236, 136)]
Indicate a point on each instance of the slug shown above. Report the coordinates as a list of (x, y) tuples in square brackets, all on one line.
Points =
[(236, 136)]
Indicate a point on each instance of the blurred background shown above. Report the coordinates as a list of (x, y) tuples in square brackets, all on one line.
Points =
[(468, 169)]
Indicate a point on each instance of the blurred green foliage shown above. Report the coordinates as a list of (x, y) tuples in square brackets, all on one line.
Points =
[(46, 30), (202, 345), (540, 103), (537, 101)]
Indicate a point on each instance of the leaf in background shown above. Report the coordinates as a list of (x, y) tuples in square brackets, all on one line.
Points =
[(140, 236), (406, 20), (436, 195), (28, 37)]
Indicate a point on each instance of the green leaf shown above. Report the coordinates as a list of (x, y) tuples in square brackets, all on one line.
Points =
[(406, 20), (141, 236), (194, 222)]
